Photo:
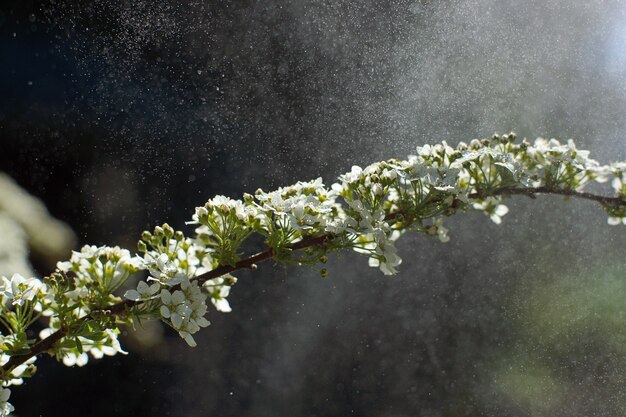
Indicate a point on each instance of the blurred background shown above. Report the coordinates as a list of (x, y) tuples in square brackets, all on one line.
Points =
[(120, 115)]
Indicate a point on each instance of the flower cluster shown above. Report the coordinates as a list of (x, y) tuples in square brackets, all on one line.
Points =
[(185, 309), (171, 292), (304, 207), (19, 291), (5, 406), (224, 225), (97, 272), (97, 343), (366, 210), (617, 215), (23, 301)]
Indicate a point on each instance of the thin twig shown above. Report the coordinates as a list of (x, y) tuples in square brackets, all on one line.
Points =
[(531, 192), (40, 347)]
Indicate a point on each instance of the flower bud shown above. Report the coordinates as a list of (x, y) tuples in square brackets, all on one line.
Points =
[(202, 213), (169, 232)]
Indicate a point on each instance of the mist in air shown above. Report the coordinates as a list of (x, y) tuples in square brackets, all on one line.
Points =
[(124, 115)]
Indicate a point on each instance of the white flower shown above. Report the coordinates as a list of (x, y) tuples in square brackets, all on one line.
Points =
[(19, 290), (500, 211), (218, 298), (174, 307), (437, 229), (162, 269), (164, 264), (185, 309), (225, 204), (390, 174), (341, 224), (493, 209), (15, 377), (187, 337), (385, 254), (580, 157), (614, 221), (353, 176), (218, 291), (143, 291), (5, 407), (81, 291), (78, 359), (64, 266), (109, 346), (617, 185), (102, 269)]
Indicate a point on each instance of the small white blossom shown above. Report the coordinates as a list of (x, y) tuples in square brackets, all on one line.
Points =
[(75, 359), (493, 209), (384, 255), (618, 185), (5, 406), (143, 291), (614, 221), (185, 309), (19, 290), (437, 229), (109, 346)]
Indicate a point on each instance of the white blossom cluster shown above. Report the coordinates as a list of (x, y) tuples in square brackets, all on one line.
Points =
[(98, 270), (170, 291), (18, 291), (22, 300), (6, 408), (83, 284), (86, 280), (365, 223), (618, 170), (304, 207), (367, 210)]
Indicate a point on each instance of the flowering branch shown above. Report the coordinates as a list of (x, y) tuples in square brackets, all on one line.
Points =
[(250, 262), (40, 347), (366, 211)]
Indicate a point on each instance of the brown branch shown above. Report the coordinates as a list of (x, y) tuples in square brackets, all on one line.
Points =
[(40, 347), (247, 263), (531, 192)]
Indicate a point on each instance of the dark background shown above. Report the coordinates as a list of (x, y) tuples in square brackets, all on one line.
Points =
[(125, 114)]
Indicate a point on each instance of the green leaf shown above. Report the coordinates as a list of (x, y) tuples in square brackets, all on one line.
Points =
[(79, 345)]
